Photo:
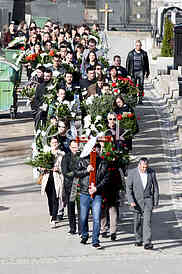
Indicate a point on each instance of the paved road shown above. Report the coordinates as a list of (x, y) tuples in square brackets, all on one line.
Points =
[(28, 245)]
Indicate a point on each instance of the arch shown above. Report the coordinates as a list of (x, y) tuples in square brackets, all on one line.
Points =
[(165, 10)]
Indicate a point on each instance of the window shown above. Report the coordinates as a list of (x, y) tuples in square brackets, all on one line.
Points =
[(90, 4)]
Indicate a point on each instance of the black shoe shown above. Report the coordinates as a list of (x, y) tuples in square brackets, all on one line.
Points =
[(148, 246), (97, 246), (104, 235), (71, 232), (84, 241), (60, 218), (138, 244), (113, 237)]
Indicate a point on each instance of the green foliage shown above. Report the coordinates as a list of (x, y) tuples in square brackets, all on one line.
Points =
[(63, 111), (167, 50), (128, 121), (43, 160), (111, 154), (28, 92)]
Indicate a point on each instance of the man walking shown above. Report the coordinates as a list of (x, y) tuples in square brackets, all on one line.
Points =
[(143, 194), (91, 195), (68, 166), (137, 65)]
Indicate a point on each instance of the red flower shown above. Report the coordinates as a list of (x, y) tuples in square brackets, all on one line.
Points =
[(116, 90), (22, 48), (108, 153), (51, 52), (113, 85), (113, 149), (138, 117), (105, 200), (130, 115), (120, 78), (102, 157), (137, 85), (119, 117), (124, 145), (143, 94)]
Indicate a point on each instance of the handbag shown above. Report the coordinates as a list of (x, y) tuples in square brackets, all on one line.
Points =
[(39, 180)]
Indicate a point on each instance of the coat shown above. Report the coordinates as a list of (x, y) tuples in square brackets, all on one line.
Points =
[(58, 176), (130, 63)]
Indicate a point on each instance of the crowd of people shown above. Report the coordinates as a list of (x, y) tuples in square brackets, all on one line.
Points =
[(84, 121)]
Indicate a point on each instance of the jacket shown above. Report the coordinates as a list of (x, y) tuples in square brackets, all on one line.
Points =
[(68, 168), (102, 175), (130, 63), (135, 191)]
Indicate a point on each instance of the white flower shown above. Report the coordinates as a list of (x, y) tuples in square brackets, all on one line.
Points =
[(89, 100), (73, 114), (56, 73), (43, 54), (38, 132), (93, 127), (87, 118), (50, 86), (46, 148), (88, 131), (43, 133), (48, 65), (98, 118)]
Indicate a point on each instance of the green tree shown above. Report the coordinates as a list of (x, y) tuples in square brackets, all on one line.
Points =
[(167, 50)]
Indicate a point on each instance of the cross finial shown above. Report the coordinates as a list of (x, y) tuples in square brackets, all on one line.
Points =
[(106, 12)]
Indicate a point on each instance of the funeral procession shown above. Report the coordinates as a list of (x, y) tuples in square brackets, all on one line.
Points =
[(91, 136)]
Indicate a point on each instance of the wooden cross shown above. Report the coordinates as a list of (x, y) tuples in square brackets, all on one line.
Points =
[(92, 177), (106, 11)]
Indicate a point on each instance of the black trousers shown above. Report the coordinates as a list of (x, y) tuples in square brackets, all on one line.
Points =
[(138, 79), (53, 201), (71, 213)]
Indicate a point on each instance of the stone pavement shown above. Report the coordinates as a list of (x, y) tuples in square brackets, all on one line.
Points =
[(28, 245)]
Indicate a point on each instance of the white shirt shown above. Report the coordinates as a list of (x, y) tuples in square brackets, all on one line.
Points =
[(143, 177)]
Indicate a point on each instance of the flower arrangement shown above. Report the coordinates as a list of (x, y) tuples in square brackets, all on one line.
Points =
[(126, 87), (17, 41), (111, 154), (28, 92), (92, 126), (43, 160), (104, 61), (97, 110), (128, 121), (63, 111)]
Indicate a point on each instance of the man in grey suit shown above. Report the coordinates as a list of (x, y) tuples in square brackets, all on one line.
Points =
[(143, 195)]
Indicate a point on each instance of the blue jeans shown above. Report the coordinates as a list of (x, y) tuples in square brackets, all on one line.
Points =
[(85, 201)]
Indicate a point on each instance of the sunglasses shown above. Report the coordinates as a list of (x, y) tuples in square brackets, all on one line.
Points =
[(112, 119)]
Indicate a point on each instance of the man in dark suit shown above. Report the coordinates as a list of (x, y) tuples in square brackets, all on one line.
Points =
[(143, 195)]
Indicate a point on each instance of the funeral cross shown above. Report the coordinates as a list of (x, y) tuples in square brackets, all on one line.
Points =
[(106, 11), (92, 176)]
